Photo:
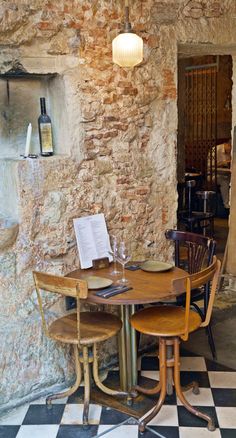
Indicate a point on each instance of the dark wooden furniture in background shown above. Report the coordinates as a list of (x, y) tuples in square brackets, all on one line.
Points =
[(193, 252), (194, 220), (170, 324), (83, 330)]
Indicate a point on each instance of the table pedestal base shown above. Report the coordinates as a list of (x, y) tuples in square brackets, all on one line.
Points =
[(140, 406)]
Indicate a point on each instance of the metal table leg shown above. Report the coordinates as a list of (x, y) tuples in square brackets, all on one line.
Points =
[(122, 352), (127, 350), (133, 342)]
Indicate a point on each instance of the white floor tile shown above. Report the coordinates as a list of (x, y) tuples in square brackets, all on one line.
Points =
[(226, 417), (120, 432), (168, 416), (198, 432), (203, 399), (73, 414), (222, 379), (42, 431), (154, 375), (15, 417), (192, 364)]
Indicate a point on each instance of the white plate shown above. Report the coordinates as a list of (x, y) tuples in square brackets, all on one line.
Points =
[(155, 266), (97, 282)]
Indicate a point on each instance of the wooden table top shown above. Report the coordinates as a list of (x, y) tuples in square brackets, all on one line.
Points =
[(148, 287)]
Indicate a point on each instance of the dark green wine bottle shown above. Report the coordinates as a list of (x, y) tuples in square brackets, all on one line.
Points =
[(45, 130)]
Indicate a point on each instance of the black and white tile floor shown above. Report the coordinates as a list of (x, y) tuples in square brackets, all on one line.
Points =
[(217, 397)]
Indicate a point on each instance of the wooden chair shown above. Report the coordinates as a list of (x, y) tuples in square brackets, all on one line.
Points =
[(170, 324), (198, 253), (83, 330)]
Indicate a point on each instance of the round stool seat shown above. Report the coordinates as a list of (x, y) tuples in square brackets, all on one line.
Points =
[(164, 321), (205, 194), (94, 327)]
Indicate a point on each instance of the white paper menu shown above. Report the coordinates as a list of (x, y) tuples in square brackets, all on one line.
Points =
[(92, 239)]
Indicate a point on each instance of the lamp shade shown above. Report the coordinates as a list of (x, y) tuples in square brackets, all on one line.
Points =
[(127, 49)]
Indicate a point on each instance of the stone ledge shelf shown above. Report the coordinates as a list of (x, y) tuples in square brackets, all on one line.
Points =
[(8, 233)]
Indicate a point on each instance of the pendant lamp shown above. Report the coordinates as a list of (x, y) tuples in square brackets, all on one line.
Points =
[(127, 47)]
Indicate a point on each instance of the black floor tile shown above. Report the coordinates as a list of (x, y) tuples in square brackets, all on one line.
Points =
[(165, 431), (41, 414), (77, 397), (170, 399), (214, 366), (111, 416), (186, 419), (150, 363), (72, 431), (224, 397), (228, 433), (186, 353), (8, 431), (199, 376)]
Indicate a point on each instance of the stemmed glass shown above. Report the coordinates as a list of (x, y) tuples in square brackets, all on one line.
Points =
[(113, 250), (123, 257)]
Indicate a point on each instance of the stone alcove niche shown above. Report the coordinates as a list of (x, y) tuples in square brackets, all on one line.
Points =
[(22, 83), (20, 92)]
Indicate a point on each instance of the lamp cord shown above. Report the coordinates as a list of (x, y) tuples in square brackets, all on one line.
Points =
[(127, 27)]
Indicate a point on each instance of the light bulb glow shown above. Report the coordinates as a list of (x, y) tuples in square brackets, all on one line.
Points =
[(127, 49)]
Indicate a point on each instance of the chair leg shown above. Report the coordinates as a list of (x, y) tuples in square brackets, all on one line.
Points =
[(97, 378), (76, 384), (163, 379), (86, 385), (210, 421), (208, 332), (211, 341), (151, 391)]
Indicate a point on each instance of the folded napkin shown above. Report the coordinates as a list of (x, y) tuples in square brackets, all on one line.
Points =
[(111, 291)]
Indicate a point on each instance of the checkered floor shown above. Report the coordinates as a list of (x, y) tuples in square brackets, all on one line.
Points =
[(217, 397)]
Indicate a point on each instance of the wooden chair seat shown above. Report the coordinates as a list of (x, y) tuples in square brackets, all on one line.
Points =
[(164, 321), (94, 327)]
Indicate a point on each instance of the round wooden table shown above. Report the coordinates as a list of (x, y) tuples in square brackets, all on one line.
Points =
[(148, 287)]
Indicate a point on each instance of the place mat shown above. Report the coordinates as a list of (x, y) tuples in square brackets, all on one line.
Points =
[(111, 291), (95, 282), (155, 266)]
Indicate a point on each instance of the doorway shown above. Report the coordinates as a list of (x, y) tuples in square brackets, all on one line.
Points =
[(204, 131)]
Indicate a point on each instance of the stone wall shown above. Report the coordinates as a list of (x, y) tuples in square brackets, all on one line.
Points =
[(122, 132)]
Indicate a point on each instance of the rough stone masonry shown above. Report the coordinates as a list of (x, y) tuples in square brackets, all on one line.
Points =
[(122, 134)]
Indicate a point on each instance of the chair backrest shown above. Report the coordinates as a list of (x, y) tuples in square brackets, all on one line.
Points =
[(200, 249), (65, 286), (200, 279)]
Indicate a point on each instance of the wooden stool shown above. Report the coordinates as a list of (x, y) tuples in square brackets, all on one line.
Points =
[(170, 324), (83, 330)]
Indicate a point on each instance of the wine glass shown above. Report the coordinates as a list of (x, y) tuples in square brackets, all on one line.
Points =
[(113, 250), (123, 257)]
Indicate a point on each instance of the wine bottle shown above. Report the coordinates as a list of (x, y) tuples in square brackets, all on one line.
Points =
[(45, 131)]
